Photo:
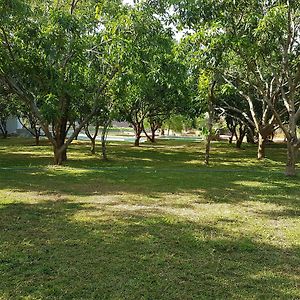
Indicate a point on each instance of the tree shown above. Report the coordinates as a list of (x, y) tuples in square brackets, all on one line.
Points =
[(49, 73), (261, 38), (148, 88), (6, 108)]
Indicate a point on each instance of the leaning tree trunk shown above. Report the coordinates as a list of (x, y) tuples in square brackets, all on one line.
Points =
[(292, 151)]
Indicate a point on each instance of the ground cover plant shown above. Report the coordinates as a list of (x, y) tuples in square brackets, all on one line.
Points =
[(151, 223)]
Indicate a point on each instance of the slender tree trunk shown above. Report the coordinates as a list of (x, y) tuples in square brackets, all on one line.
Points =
[(93, 145), (147, 135), (138, 130), (60, 151), (74, 128), (153, 135), (241, 135), (209, 122), (292, 152), (137, 140), (103, 140), (207, 149), (231, 138), (37, 139), (261, 147)]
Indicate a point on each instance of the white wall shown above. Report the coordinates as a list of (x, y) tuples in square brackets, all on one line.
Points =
[(13, 124)]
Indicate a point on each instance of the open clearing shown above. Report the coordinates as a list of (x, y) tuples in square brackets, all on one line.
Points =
[(151, 223)]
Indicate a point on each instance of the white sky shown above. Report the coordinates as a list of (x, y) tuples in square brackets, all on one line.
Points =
[(178, 34), (128, 2)]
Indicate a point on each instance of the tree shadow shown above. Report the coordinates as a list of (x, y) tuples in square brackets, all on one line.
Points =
[(50, 250)]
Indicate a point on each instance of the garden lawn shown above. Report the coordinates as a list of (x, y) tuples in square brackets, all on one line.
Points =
[(151, 223)]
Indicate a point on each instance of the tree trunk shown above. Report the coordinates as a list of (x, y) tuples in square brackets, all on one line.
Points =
[(59, 156), (138, 128), (154, 128), (153, 135), (37, 139), (231, 138), (74, 128), (240, 136), (103, 140), (60, 152), (103, 149), (261, 147), (207, 149), (137, 140), (292, 151), (93, 145), (239, 142), (210, 103)]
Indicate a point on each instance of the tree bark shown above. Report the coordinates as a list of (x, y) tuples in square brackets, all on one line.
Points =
[(137, 140), (59, 156), (240, 136), (37, 139), (93, 145), (292, 152), (239, 142), (207, 149), (138, 128), (261, 147), (103, 140)]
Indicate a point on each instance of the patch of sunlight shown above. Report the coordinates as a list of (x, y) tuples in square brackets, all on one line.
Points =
[(252, 183), (17, 196), (40, 154), (69, 170), (194, 162), (265, 222), (145, 159), (144, 237), (182, 206), (272, 274)]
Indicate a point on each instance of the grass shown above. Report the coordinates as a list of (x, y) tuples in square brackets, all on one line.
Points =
[(151, 223)]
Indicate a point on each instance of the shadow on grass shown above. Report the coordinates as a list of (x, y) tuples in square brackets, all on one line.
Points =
[(209, 186), (48, 251)]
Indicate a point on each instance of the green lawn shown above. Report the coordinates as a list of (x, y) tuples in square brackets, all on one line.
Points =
[(152, 223)]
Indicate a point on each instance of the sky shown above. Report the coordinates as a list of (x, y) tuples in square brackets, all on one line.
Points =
[(128, 2), (178, 34)]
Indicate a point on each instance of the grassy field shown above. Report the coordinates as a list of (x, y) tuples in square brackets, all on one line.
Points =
[(151, 223)]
